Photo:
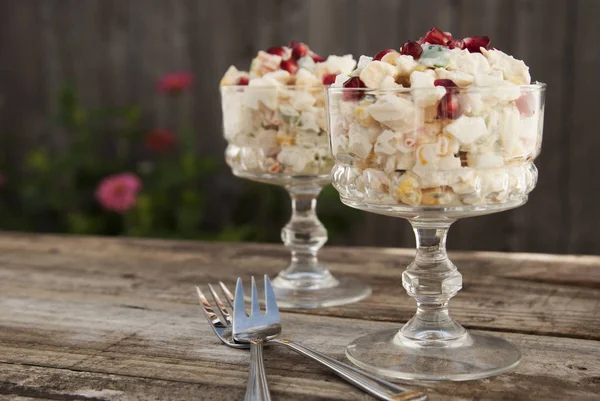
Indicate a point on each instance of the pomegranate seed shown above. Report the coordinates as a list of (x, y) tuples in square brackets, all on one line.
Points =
[(289, 65), (329, 79), (446, 83), (279, 51), (243, 81), (447, 35), (299, 50), (382, 53), (473, 43), (354, 82), (436, 37), (456, 44), (317, 59), (449, 106), (293, 44), (526, 104), (412, 49)]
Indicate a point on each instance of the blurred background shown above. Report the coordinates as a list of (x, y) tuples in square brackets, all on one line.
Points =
[(87, 106)]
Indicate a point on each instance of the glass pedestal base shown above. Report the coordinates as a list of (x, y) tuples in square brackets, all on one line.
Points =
[(318, 293), (310, 293), (475, 355)]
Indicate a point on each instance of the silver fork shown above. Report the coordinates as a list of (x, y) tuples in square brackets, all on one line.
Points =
[(255, 329), (222, 326)]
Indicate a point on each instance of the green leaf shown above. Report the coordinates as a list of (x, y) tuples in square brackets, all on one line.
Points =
[(132, 115), (69, 112), (142, 217), (236, 233), (79, 223), (190, 212), (38, 160), (188, 165)]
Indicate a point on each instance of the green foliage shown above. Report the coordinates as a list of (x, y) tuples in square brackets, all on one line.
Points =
[(54, 189)]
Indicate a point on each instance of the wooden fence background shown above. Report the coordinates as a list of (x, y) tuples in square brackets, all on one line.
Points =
[(113, 51)]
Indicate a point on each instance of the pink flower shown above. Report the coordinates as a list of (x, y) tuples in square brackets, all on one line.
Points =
[(118, 193), (175, 82), (160, 141)]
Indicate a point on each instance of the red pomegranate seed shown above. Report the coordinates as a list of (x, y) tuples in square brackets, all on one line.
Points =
[(329, 79), (447, 35), (299, 50), (354, 82), (243, 81), (382, 53), (317, 59), (279, 51), (289, 65), (473, 43), (526, 104), (412, 49), (436, 37), (449, 106), (456, 44), (447, 83), (293, 44)]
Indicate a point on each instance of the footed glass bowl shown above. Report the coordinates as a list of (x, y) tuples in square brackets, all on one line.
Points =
[(432, 156), (278, 135)]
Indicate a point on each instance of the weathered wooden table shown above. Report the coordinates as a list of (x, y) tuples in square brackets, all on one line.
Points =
[(117, 319)]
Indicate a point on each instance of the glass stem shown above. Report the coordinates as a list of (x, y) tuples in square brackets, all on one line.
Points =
[(304, 235), (432, 279)]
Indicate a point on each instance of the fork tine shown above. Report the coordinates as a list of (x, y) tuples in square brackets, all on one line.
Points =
[(239, 314), (226, 316), (228, 294), (270, 300), (206, 308), (255, 307)]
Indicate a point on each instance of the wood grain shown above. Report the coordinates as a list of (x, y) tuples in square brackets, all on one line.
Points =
[(582, 175), (552, 296), (144, 353), (116, 319)]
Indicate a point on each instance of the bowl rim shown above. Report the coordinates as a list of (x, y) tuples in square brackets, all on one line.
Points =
[(271, 87), (532, 87)]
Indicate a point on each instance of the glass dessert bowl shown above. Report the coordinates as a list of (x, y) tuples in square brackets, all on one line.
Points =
[(277, 134), (432, 153)]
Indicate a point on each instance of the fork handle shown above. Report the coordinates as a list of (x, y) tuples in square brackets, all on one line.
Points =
[(258, 388), (373, 385)]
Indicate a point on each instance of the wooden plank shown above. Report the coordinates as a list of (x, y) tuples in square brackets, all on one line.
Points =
[(580, 141), (375, 28), (218, 35), (530, 227), (332, 26), (95, 343), (116, 319), (22, 86), (423, 16), (159, 38), (547, 295)]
